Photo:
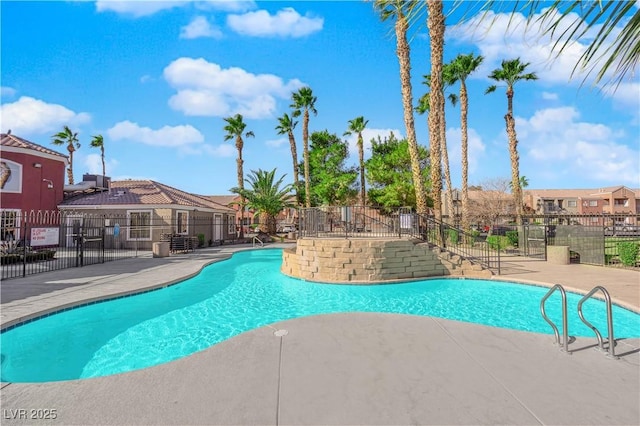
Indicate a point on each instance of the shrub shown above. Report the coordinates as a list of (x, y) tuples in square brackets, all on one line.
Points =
[(512, 237), (8, 259), (628, 252), (497, 242), (200, 240), (453, 236)]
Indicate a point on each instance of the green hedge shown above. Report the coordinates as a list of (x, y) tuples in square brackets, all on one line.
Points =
[(498, 242), (628, 252)]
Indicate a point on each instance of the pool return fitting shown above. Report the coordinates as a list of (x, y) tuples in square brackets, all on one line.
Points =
[(565, 325)]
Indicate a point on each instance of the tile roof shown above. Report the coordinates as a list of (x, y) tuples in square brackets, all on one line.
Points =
[(143, 192), (17, 142), (576, 193), (225, 200)]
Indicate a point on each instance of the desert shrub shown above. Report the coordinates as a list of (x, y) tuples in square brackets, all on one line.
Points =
[(497, 242), (512, 237), (454, 236), (628, 252)]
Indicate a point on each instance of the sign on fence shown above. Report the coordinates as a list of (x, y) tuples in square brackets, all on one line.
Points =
[(45, 236)]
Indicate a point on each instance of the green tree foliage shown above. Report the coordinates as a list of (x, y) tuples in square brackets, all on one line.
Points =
[(70, 139), (266, 196), (389, 173), (332, 183)]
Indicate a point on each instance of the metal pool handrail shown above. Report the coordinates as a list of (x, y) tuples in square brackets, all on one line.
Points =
[(607, 298), (565, 325)]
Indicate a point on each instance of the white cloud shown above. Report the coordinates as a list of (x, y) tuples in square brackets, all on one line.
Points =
[(367, 135), (285, 23), (93, 164), (276, 143), (28, 116), (7, 91), (550, 96), (206, 89), (177, 136), (227, 5), (225, 150), (556, 143), (136, 8), (200, 27)]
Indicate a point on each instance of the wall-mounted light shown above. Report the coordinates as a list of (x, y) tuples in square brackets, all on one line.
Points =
[(37, 165), (49, 183)]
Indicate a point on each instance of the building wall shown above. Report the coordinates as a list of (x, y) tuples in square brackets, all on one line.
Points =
[(28, 187)]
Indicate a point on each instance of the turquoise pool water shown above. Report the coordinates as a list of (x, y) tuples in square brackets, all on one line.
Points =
[(248, 291)]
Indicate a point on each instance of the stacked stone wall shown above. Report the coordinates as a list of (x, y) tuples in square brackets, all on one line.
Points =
[(361, 260)]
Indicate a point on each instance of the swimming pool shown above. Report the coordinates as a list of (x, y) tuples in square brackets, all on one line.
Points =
[(248, 291)]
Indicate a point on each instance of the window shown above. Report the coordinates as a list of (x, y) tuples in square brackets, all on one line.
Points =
[(624, 202), (593, 203), (182, 222), (9, 225), (572, 203), (232, 224), (139, 224)]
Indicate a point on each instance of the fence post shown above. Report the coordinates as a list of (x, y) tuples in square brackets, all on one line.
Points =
[(24, 247)]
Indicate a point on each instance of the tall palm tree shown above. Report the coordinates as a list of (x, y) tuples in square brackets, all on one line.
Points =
[(356, 126), (69, 138), (303, 102), (286, 125), (424, 104), (510, 73), (266, 197), (459, 69), (436, 26), (402, 11), (235, 130), (98, 142)]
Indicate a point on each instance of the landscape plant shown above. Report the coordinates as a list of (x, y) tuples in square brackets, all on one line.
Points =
[(628, 252)]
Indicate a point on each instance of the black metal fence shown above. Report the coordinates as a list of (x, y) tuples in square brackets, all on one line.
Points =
[(47, 241)]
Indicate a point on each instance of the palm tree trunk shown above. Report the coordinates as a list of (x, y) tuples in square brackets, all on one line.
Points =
[(104, 169), (403, 52), (305, 139), (513, 155), (363, 194), (447, 173), (464, 104), (240, 172), (294, 157), (70, 148), (435, 23)]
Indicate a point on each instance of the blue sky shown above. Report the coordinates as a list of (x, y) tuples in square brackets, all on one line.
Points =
[(157, 78)]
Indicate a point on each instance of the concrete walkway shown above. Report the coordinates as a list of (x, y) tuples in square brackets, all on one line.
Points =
[(354, 368)]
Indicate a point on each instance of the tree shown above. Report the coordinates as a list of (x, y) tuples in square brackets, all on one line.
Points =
[(424, 104), (235, 130), (402, 12), (491, 202), (332, 183), (98, 142), (510, 73), (266, 197), (303, 102), (436, 26), (286, 125), (69, 138), (389, 173), (356, 126), (459, 69)]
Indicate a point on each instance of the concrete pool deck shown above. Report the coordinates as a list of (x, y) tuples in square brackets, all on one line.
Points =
[(352, 368)]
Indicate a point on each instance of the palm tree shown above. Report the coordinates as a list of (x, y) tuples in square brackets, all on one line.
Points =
[(402, 11), (511, 72), (459, 69), (266, 197), (235, 130), (69, 138), (424, 104), (356, 126), (436, 26), (98, 142), (286, 125), (303, 102)]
